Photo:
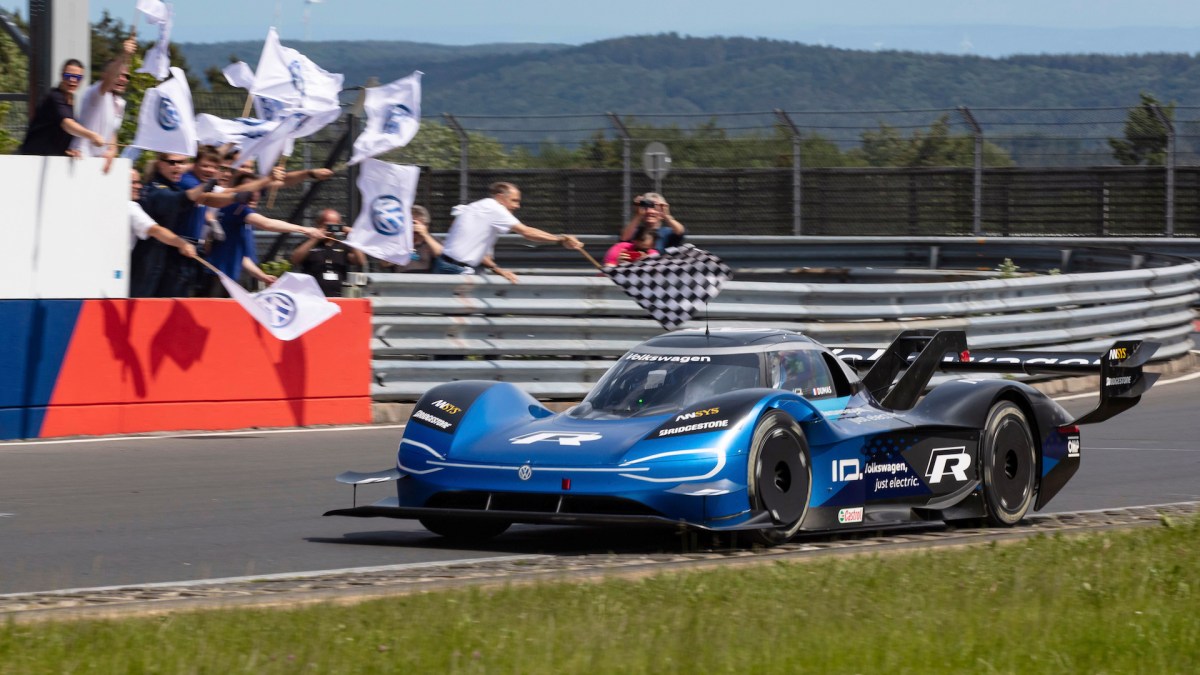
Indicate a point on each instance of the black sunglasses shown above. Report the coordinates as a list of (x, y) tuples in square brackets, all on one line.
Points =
[(173, 162)]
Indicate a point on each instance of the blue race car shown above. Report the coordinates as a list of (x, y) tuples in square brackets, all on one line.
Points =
[(765, 431)]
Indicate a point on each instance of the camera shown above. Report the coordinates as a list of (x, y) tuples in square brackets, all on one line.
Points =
[(335, 228)]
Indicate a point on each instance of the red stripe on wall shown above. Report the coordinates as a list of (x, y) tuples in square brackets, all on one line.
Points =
[(167, 365)]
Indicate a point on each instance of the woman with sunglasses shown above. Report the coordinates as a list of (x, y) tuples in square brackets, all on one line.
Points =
[(53, 122)]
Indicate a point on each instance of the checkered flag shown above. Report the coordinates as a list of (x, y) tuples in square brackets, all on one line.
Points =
[(672, 286)]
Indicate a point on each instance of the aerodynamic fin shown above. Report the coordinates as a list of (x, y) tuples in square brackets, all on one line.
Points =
[(915, 355)]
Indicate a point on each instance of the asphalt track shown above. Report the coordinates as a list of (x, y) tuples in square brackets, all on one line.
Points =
[(104, 512)]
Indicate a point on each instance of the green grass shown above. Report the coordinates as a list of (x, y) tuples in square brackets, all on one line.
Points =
[(1125, 601)]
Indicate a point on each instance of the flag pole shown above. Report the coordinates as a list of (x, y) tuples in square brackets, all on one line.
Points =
[(590, 259), (275, 190), (207, 264), (249, 102)]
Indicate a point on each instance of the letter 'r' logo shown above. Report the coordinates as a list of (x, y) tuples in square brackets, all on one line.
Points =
[(563, 437), (952, 461)]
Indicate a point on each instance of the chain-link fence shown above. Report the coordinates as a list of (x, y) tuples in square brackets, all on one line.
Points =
[(995, 171)]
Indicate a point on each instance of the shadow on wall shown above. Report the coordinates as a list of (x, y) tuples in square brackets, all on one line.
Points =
[(127, 366)]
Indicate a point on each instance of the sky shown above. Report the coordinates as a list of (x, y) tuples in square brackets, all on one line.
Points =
[(981, 27)]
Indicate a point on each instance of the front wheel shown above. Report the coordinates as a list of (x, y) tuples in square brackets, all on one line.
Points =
[(465, 529), (780, 476), (1009, 465)]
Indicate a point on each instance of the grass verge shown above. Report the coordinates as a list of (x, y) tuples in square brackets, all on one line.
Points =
[(1124, 601)]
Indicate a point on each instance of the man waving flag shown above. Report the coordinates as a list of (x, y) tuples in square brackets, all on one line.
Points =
[(384, 226), (393, 117)]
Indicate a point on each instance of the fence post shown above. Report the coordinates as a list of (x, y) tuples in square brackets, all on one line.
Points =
[(464, 171), (1170, 167), (626, 163), (797, 204), (977, 132)]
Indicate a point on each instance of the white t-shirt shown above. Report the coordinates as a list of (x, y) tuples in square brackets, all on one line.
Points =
[(139, 223), (475, 230), (102, 113)]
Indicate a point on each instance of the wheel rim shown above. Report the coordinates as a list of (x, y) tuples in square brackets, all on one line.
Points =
[(782, 477), (1012, 466)]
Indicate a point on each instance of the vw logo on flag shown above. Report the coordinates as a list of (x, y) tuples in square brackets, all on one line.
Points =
[(387, 215), (280, 307), (395, 115), (297, 74), (168, 115), (270, 108)]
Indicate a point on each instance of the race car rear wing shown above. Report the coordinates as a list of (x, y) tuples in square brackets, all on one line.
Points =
[(915, 355)]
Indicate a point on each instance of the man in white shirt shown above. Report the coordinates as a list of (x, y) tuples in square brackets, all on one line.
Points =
[(142, 226), (477, 225), (102, 107)]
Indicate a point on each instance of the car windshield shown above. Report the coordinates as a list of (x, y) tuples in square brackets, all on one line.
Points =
[(648, 384)]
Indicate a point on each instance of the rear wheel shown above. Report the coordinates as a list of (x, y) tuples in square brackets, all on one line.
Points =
[(1009, 465), (465, 529), (780, 476)]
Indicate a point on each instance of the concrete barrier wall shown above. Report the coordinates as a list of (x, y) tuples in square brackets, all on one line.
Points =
[(65, 227), (74, 367)]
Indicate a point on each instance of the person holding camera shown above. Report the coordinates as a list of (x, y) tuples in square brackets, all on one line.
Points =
[(326, 260), (654, 213)]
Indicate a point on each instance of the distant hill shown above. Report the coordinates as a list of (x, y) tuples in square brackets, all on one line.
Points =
[(674, 74)]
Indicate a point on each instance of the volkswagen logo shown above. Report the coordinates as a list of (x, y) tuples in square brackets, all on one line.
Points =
[(398, 113), (280, 307), (387, 215), (168, 115), (525, 472), (269, 108), (295, 70)]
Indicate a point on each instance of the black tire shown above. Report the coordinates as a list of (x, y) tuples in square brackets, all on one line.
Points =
[(1009, 458), (465, 529), (779, 476)]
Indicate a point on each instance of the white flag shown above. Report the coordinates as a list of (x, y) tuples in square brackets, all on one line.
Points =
[(383, 228), (393, 117), (213, 130), (289, 308), (158, 58), (285, 74), (165, 121), (155, 11), (292, 125), (238, 74)]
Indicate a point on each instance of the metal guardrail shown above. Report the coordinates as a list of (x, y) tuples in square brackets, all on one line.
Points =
[(553, 334)]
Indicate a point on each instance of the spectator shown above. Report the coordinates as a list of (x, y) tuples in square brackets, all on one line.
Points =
[(639, 247), (328, 259), (476, 227), (654, 212), (142, 226), (154, 274), (236, 253), (53, 122), (102, 107)]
